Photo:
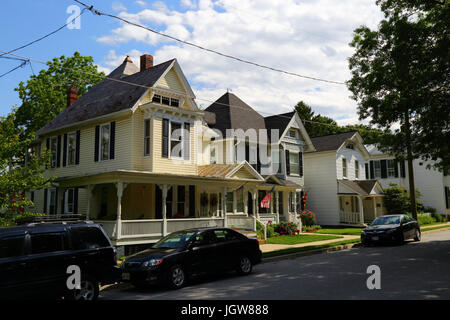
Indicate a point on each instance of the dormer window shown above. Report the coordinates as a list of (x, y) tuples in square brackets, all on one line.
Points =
[(156, 98), (350, 146), (166, 100), (292, 133), (174, 102)]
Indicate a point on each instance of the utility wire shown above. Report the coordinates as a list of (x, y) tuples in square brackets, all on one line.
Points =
[(19, 66), (45, 36), (97, 12), (186, 96)]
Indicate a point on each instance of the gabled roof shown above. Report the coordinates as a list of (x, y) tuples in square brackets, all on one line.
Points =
[(279, 121), (362, 187), (228, 171), (331, 142), (109, 96), (233, 113)]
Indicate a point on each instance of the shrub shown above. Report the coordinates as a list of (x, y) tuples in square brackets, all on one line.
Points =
[(308, 218), (286, 228), (311, 228), (425, 220), (396, 199), (260, 230)]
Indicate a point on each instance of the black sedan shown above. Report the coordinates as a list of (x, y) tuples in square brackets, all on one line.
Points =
[(182, 254), (391, 228)]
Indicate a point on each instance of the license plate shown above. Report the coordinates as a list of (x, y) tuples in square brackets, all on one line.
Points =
[(125, 276), (375, 238)]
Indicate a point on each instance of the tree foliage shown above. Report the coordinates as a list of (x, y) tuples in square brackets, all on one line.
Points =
[(44, 95), (396, 199), (400, 74)]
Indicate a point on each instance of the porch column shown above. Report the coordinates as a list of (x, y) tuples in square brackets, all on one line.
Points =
[(361, 210), (90, 189), (277, 207), (255, 201), (245, 197), (224, 206), (120, 187), (374, 207)]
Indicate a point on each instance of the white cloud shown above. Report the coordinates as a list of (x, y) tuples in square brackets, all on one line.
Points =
[(141, 3), (117, 6), (307, 37)]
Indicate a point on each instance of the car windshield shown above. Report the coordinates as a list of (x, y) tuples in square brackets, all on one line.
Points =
[(175, 240), (385, 220)]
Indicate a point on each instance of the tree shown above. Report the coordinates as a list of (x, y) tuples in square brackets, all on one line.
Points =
[(20, 170), (396, 199), (44, 95), (400, 76)]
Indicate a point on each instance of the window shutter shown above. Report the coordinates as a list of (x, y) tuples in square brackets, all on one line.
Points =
[(45, 200), (383, 164), (112, 140), (447, 195), (366, 167), (258, 160), (187, 141), (97, 142), (300, 163), (58, 152), (75, 200), (77, 152), (372, 170), (63, 206), (191, 200), (47, 143), (165, 138), (288, 166), (396, 168), (402, 169), (65, 150), (247, 152)]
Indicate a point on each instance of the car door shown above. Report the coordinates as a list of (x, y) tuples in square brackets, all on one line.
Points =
[(407, 227), (13, 282), (228, 248), (202, 255)]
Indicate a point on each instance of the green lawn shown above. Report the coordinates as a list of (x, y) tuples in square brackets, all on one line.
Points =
[(308, 248), (302, 238), (346, 231), (423, 228)]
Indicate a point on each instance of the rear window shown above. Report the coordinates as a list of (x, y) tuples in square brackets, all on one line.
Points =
[(11, 246), (88, 238), (47, 242)]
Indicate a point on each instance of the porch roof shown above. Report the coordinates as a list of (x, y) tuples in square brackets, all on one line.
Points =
[(279, 182), (229, 171), (361, 187)]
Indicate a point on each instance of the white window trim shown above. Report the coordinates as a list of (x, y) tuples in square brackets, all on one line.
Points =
[(296, 165), (344, 168), (357, 171), (67, 149), (181, 123), (100, 153), (56, 152)]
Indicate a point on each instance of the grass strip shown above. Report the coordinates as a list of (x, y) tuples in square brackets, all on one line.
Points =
[(307, 248), (434, 228), (344, 231), (299, 238)]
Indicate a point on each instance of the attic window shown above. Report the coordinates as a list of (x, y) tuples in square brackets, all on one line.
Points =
[(165, 100), (156, 98), (350, 146), (174, 102), (292, 133)]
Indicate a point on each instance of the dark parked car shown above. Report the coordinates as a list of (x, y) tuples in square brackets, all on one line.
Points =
[(186, 253), (34, 259), (391, 228)]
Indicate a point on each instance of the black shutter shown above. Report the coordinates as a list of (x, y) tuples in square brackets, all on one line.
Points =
[(288, 166), (63, 206), (250, 204), (112, 140), (258, 160), (48, 148), (187, 141), (75, 200), (65, 150), (58, 152), (192, 201), (45, 201), (300, 164), (396, 168), (77, 150), (372, 170), (247, 152), (165, 138), (97, 142), (158, 202), (383, 164), (366, 167), (447, 195), (402, 169)]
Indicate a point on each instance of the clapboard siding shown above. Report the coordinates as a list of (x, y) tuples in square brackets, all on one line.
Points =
[(351, 155), (170, 81)]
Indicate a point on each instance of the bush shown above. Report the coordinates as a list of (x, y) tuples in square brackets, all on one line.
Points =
[(308, 218), (425, 220), (260, 230), (311, 228), (396, 200), (286, 228), (438, 217), (8, 219)]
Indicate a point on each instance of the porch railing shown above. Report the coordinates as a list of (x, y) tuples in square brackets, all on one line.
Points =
[(242, 222), (187, 223), (141, 228), (349, 217)]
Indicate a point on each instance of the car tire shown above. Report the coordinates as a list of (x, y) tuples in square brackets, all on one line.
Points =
[(417, 236), (245, 265), (89, 290), (177, 277)]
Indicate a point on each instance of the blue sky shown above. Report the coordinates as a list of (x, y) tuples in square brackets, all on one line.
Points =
[(308, 37)]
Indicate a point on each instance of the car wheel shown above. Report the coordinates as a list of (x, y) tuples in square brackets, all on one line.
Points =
[(177, 277), (417, 236), (245, 265), (89, 290)]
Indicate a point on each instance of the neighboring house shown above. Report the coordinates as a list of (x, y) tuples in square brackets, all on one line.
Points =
[(137, 159), (432, 184), (335, 179)]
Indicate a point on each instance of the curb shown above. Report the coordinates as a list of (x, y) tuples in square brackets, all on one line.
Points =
[(311, 252), (436, 230)]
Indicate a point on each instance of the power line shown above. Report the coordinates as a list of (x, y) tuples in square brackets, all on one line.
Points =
[(149, 87), (19, 66), (97, 12), (45, 36)]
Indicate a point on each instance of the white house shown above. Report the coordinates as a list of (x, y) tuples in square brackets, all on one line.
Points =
[(335, 179), (432, 184)]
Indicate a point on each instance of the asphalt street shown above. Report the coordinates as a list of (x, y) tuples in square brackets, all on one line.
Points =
[(416, 270)]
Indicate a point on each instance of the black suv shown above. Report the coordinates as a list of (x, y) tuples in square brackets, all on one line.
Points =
[(34, 260)]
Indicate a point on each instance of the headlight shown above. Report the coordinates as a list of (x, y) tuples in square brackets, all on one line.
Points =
[(152, 263)]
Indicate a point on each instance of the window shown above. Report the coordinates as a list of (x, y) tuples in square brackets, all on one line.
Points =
[(391, 168), (181, 196), (350, 146), (51, 201), (356, 169), (69, 199), (71, 148), (88, 238), (344, 167), (166, 100), (174, 102), (377, 169), (176, 138), (104, 145), (292, 133), (146, 137), (54, 151), (47, 242), (212, 155), (291, 202), (293, 162), (169, 200), (230, 202), (11, 246), (156, 98), (240, 200)]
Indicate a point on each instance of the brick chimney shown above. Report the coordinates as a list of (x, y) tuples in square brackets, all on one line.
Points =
[(72, 95), (146, 62)]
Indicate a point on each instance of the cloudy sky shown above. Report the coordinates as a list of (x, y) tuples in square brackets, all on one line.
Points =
[(308, 37)]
